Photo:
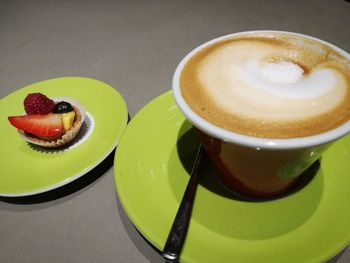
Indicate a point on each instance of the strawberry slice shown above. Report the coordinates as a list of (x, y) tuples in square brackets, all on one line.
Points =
[(45, 126)]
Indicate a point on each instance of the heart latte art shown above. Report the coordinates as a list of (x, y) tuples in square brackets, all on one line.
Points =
[(271, 85)]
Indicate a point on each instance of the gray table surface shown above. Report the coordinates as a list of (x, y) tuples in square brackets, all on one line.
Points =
[(135, 47)]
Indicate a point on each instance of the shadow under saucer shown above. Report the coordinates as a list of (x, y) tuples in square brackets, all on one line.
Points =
[(67, 189)]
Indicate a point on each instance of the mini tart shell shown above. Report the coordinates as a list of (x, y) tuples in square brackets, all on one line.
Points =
[(68, 136)]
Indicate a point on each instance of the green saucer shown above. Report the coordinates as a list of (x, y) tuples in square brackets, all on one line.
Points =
[(26, 169), (152, 167)]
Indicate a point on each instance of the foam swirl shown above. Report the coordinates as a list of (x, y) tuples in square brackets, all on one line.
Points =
[(263, 85)]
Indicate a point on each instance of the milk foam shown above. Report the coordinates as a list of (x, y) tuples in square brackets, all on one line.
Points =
[(281, 72), (272, 86), (242, 81), (288, 81)]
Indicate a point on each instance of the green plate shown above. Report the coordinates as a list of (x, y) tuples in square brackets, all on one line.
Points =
[(152, 167), (27, 170)]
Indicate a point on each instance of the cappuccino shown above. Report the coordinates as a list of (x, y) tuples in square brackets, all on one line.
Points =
[(269, 85)]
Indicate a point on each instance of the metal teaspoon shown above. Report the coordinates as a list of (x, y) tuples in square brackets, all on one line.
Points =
[(176, 237)]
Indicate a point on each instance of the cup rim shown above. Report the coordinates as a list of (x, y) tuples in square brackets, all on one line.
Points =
[(247, 140)]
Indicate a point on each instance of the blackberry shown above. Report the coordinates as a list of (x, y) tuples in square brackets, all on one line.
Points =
[(62, 107)]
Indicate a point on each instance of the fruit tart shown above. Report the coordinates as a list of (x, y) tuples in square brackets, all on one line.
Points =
[(49, 122)]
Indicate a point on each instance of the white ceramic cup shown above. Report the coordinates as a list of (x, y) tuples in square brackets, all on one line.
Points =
[(253, 166)]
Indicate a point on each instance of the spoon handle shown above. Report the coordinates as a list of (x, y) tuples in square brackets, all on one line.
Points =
[(178, 231)]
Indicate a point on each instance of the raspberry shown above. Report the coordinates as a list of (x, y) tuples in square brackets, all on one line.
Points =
[(37, 103)]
